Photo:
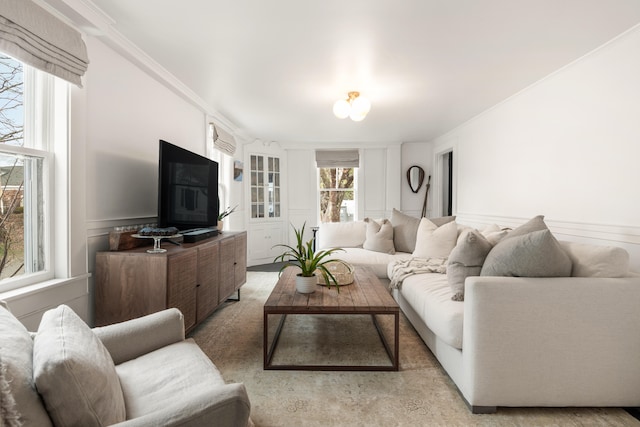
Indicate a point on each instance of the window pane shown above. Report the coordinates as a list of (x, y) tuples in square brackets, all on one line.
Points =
[(21, 213), (337, 194), (11, 101)]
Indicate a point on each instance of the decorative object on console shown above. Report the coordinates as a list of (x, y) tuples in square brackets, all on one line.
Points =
[(222, 215), (355, 106), (157, 234), (308, 261), (415, 177)]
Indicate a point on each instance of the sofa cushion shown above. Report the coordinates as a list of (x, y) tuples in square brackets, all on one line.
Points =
[(405, 229), (493, 233), (376, 261), (16, 348), (433, 241), (74, 372), (430, 296), (148, 389), (535, 254), (379, 236), (341, 235), (465, 260), (597, 261)]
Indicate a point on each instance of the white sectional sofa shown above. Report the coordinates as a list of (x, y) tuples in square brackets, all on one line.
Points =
[(518, 341)]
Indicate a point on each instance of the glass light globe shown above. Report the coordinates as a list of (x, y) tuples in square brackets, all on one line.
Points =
[(356, 116), (341, 109), (361, 105)]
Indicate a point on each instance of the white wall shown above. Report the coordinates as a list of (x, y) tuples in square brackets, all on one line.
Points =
[(127, 112), (566, 147)]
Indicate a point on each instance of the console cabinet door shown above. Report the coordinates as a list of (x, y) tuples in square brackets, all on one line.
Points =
[(208, 278), (227, 268), (181, 285), (240, 265), (128, 286)]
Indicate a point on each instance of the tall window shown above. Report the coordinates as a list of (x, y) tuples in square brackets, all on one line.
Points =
[(337, 189), (27, 126)]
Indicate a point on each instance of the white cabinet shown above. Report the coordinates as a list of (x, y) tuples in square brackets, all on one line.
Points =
[(265, 208), (262, 238)]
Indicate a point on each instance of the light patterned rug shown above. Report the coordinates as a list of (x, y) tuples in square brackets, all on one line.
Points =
[(420, 394)]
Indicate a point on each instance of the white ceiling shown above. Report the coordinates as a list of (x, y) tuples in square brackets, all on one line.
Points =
[(274, 68)]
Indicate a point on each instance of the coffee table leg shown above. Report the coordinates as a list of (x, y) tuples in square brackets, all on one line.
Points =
[(393, 355), (268, 355)]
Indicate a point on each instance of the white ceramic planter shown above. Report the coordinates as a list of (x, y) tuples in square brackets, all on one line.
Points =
[(306, 285)]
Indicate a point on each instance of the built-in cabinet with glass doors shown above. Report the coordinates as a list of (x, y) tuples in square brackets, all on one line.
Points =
[(265, 227), (265, 186)]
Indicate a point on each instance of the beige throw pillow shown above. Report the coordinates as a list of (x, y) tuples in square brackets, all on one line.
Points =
[(16, 345), (379, 237), (405, 229), (466, 260), (534, 224), (74, 372), (433, 241)]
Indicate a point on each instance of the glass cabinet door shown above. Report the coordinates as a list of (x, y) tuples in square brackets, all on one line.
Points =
[(265, 187)]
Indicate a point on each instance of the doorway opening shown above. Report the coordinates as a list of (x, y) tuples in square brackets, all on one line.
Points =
[(446, 179)]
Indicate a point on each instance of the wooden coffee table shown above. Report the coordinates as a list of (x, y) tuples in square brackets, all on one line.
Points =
[(366, 295)]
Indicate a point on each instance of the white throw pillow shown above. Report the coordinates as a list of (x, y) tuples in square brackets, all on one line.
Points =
[(75, 373), (597, 261), (379, 237), (493, 233), (433, 241)]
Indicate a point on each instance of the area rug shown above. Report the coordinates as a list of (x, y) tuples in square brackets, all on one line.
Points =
[(420, 394)]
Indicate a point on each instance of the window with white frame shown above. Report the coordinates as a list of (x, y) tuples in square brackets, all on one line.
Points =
[(337, 184), (337, 192), (28, 122)]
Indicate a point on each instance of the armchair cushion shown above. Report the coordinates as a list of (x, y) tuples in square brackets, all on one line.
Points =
[(150, 384), (74, 372)]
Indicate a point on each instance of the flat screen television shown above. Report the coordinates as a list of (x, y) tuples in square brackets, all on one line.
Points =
[(187, 189)]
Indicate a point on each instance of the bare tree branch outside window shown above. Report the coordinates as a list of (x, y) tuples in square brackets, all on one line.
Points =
[(11, 168)]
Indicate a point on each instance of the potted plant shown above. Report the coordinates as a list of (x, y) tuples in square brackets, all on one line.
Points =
[(309, 262), (225, 213)]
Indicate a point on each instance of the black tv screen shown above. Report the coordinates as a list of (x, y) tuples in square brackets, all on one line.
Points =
[(187, 189)]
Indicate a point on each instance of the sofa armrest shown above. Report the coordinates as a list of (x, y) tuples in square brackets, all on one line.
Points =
[(551, 341), (226, 405), (135, 337)]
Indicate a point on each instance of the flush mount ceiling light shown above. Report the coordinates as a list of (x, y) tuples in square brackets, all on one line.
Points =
[(356, 107)]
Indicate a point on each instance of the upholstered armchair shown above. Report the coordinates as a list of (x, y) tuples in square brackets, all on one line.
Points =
[(137, 373)]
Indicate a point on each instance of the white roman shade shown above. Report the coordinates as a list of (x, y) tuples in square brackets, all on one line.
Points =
[(223, 140), (36, 37), (337, 158)]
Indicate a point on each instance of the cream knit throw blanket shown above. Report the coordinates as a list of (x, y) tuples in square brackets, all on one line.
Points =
[(405, 268)]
